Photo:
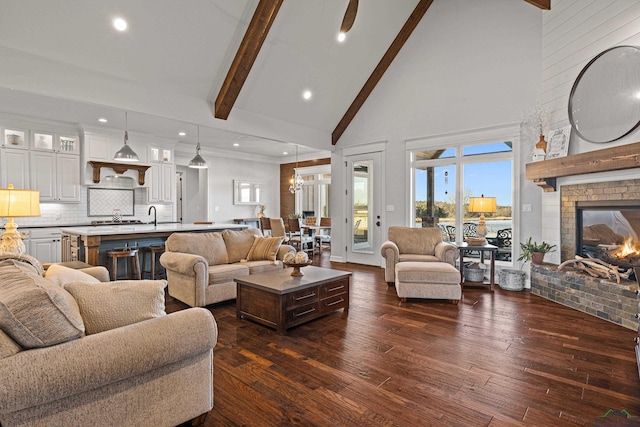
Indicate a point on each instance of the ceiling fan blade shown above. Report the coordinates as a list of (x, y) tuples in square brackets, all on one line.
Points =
[(349, 16)]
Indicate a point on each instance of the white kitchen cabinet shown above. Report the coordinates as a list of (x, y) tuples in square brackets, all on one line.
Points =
[(161, 177), (13, 137), (44, 244), (56, 176), (14, 165)]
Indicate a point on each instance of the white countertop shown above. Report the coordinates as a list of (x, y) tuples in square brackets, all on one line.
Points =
[(112, 230)]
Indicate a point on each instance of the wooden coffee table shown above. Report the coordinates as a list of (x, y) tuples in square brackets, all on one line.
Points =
[(281, 301)]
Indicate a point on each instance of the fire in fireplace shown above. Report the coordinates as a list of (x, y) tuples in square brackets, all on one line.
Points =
[(609, 230)]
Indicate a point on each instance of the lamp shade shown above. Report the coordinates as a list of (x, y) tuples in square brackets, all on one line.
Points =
[(16, 203), (482, 204)]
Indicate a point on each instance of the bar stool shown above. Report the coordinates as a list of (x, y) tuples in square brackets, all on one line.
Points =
[(127, 253), (153, 251)]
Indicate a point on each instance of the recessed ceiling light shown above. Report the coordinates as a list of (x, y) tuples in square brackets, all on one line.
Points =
[(306, 94), (284, 153), (342, 36), (235, 144), (120, 24), (182, 133), (102, 120)]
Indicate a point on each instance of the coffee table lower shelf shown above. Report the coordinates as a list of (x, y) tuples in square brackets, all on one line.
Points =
[(281, 301)]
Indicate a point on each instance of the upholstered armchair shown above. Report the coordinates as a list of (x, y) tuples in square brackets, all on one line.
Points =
[(415, 244)]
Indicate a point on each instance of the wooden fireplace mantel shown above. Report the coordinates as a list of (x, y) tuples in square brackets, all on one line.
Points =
[(544, 173), (118, 168)]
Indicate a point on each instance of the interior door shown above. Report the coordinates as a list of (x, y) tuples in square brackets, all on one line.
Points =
[(364, 218)]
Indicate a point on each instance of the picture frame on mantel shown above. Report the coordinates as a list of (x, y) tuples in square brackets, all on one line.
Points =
[(558, 145)]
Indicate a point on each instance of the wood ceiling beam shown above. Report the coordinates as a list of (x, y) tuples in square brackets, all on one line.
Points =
[(378, 72), (246, 55), (542, 4)]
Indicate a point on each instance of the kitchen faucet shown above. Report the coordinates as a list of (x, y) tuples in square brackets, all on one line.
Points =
[(155, 216)]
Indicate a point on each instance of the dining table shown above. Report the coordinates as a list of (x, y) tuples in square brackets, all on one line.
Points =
[(315, 230)]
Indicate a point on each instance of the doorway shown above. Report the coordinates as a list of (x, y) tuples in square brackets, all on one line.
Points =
[(364, 217)]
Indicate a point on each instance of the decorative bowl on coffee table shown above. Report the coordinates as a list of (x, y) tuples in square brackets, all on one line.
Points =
[(297, 266)]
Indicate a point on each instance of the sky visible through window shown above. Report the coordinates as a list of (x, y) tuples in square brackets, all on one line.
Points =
[(491, 178)]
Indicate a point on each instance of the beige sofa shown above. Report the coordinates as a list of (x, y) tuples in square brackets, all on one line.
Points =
[(145, 370), (406, 244), (201, 266)]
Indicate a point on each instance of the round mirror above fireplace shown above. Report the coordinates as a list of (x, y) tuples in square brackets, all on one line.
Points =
[(604, 104)]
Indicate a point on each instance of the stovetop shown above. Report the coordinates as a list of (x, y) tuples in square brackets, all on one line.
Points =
[(124, 221)]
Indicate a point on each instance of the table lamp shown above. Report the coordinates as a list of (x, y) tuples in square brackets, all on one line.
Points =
[(16, 203), (482, 205)]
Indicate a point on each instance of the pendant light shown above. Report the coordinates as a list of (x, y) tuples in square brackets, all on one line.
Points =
[(198, 162), (295, 183), (126, 154)]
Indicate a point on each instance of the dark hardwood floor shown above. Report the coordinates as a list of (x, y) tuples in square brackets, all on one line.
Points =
[(501, 359)]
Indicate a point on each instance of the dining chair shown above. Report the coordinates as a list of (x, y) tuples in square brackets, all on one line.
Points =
[(311, 220), (277, 228), (323, 236), (301, 241), (265, 225)]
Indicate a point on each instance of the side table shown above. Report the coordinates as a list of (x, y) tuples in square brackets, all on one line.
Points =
[(465, 247)]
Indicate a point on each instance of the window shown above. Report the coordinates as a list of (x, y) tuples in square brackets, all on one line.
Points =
[(444, 179), (316, 191)]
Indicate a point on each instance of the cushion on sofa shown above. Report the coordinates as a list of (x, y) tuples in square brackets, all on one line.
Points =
[(8, 347), (264, 248), (226, 272), (239, 242), (61, 275), (110, 305), (211, 246), (33, 311)]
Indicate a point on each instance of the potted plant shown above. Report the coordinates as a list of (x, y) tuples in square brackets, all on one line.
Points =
[(534, 252)]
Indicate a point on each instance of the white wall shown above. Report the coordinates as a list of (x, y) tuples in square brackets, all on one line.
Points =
[(574, 32), (468, 65)]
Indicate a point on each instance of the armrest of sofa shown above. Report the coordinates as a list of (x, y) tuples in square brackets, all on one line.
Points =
[(447, 252), (182, 263), (391, 253), (37, 376), (99, 272), (283, 250)]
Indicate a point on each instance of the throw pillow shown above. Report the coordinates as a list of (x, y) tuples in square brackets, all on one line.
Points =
[(110, 305), (239, 242), (33, 311), (264, 248), (61, 275)]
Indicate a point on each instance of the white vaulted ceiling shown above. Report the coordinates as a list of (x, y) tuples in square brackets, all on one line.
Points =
[(63, 60)]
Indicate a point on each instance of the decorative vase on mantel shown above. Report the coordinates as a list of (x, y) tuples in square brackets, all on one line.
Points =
[(539, 153)]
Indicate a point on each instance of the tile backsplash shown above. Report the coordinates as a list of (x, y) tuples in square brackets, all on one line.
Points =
[(59, 214)]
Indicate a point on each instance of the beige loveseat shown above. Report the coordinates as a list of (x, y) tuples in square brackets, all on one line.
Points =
[(201, 266), (406, 244), (98, 354)]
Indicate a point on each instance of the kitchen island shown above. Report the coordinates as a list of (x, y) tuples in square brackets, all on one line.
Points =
[(88, 243)]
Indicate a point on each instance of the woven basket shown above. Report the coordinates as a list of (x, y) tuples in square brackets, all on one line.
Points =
[(511, 279), (474, 274)]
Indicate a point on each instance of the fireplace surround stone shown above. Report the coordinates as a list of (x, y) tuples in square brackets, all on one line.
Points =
[(606, 299)]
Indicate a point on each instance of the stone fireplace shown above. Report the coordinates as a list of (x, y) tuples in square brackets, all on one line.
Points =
[(600, 297), (623, 194)]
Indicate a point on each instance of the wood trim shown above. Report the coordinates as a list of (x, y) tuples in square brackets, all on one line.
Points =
[(609, 159), (246, 55), (381, 68), (119, 168), (542, 4)]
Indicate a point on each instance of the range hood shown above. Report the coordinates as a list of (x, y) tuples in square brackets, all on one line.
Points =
[(118, 181), (119, 169)]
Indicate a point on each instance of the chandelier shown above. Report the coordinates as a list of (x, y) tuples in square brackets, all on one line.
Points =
[(295, 183)]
